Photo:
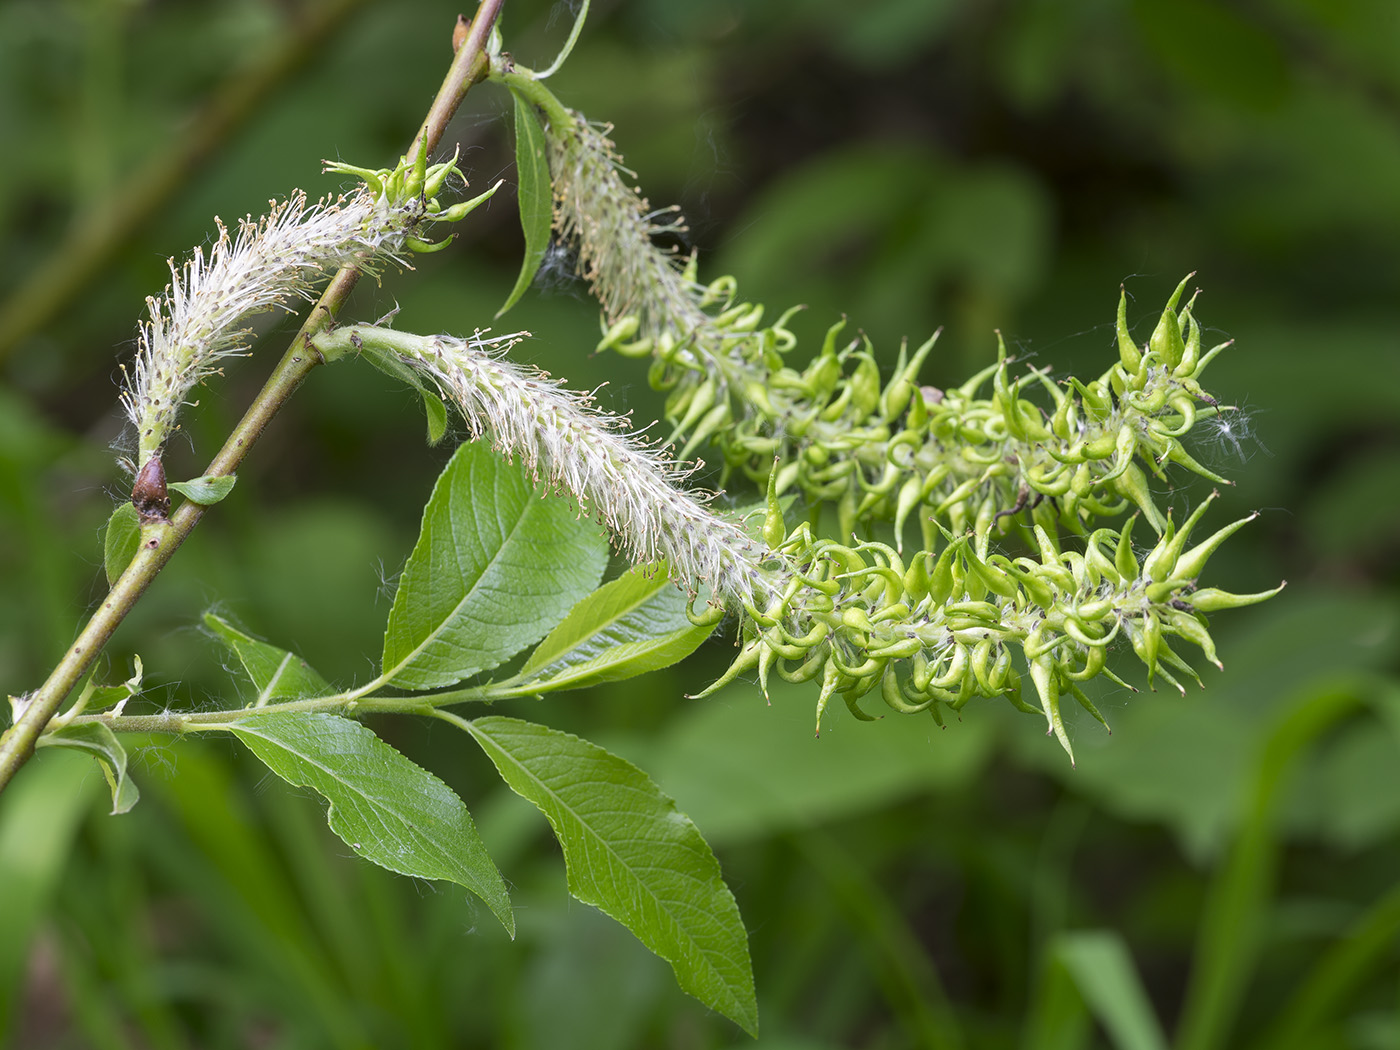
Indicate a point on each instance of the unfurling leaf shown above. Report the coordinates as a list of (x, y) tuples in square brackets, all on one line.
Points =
[(122, 540), (100, 742), (276, 673), (433, 408), (634, 624)]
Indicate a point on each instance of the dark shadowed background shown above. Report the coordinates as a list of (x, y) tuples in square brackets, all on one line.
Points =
[(989, 164)]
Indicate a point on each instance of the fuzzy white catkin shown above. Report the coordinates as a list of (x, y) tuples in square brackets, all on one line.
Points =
[(614, 230), (270, 262), (631, 487)]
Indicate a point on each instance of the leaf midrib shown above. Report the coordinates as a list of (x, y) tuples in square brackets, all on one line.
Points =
[(437, 632), (267, 691), (563, 654), (373, 801)]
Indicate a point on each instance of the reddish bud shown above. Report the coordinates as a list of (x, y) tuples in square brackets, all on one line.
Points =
[(148, 493)]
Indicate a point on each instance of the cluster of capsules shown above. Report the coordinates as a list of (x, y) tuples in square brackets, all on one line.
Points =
[(938, 630), (410, 190), (884, 451), (935, 630), (972, 465)]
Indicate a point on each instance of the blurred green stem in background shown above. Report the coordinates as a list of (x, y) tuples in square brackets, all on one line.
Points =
[(1234, 915), (907, 975), (101, 227)]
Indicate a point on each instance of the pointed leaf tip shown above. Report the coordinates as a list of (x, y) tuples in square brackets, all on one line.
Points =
[(631, 853)]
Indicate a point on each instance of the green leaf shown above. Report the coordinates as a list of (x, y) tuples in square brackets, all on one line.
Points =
[(495, 567), (276, 673), (629, 852), (100, 742), (385, 808), (206, 490), (122, 541), (635, 624), (436, 413), (534, 196), (388, 362)]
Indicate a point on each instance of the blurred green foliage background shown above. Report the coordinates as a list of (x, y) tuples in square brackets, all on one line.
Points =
[(1227, 863)]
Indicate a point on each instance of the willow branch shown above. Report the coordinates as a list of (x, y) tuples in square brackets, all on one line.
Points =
[(161, 540)]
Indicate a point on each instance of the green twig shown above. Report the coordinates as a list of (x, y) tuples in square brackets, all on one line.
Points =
[(351, 702), (160, 542), (181, 722), (568, 47), (526, 83)]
